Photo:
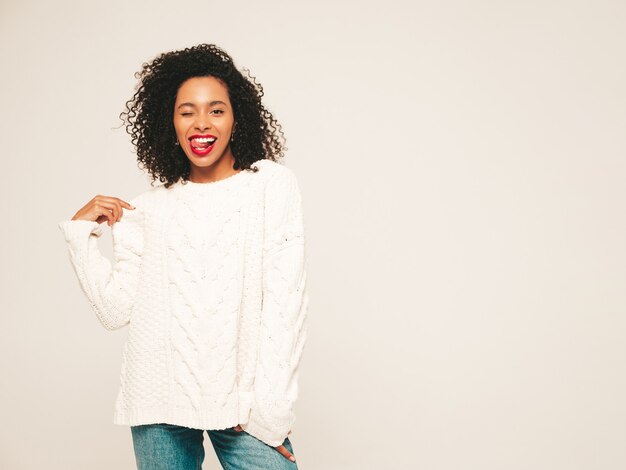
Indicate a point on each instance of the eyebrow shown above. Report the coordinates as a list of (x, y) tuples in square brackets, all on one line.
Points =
[(212, 103)]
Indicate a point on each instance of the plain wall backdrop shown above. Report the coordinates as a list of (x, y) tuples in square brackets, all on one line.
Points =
[(463, 170)]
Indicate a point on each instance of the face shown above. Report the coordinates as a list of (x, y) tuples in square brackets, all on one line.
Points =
[(203, 120)]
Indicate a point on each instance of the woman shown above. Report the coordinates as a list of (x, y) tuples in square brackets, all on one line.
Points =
[(208, 272)]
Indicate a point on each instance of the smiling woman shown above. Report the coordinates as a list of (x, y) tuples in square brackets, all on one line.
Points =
[(204, 124), (207, 96), (209, 270)]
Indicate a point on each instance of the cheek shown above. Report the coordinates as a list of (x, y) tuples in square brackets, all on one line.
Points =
[(178, 126)]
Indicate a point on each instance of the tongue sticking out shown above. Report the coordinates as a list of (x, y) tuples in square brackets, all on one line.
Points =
[(201, 145)]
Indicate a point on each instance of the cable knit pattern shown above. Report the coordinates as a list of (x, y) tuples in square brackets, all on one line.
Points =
[(210, 278)]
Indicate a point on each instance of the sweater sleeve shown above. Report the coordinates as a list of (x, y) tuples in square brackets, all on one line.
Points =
[(283, 323), (110, 288)]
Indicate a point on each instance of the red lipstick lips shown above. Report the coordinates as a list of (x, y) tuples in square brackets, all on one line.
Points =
[(202, 139)]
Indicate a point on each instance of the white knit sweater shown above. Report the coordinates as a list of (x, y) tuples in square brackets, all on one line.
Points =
[(210, 278)]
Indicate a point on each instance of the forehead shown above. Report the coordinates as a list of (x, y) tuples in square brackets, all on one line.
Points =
[(201, 89)]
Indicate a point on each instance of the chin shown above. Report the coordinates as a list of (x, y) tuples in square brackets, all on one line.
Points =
[(205, 161)]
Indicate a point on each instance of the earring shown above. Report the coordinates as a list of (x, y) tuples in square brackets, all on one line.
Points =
[(232, 135), (177, 142)]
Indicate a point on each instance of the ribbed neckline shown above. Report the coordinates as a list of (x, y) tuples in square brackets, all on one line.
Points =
[(212, 185)]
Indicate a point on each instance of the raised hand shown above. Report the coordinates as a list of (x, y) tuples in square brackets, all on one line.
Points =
[(102, 208)]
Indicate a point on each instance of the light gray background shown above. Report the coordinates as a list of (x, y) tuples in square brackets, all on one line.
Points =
[(462, 167)]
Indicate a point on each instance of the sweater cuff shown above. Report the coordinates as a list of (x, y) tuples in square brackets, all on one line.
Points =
[(271, 438), (77, 230)]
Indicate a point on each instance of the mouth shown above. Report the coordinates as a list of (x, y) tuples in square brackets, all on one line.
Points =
[(202, 144)]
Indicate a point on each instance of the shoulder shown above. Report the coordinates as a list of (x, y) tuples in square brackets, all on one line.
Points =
[(282, 196), (148, 196), (276, 175), (143, 202)]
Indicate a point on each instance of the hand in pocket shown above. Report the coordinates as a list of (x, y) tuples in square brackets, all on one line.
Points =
[(281, 448), (238, 428)]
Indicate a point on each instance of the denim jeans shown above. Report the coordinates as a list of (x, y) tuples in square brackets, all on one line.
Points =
[(170, 447)]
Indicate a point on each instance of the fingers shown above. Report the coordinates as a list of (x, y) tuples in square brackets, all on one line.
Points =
[(283, 450), (111, 207), (108, 210), (103, 207)]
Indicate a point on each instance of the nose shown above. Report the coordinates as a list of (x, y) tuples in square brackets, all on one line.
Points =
[(203, 122)]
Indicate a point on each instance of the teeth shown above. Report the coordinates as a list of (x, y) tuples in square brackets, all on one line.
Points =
[(204, 139)]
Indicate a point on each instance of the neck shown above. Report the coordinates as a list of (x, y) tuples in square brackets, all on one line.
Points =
[(220, 169)]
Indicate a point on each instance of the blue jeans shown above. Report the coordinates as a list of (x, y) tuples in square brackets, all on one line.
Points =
[(170, 447)]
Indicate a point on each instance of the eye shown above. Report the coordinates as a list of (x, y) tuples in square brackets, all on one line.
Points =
[(185, 114), (218, 111)]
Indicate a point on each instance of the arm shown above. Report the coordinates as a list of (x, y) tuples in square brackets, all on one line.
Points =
[(283, 318), (110, 289)]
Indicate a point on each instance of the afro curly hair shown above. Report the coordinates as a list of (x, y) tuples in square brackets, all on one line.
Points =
[(148, 115)]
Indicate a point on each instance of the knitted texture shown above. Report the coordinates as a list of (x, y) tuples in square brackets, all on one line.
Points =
[(211, 279)]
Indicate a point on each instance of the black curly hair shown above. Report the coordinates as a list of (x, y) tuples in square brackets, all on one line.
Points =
[(148, 115)]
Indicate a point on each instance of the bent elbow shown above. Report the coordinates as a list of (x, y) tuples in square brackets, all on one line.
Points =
[(111, 321), (115, 325)]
